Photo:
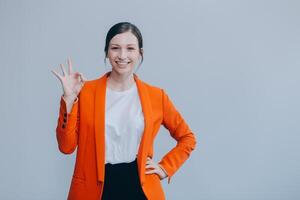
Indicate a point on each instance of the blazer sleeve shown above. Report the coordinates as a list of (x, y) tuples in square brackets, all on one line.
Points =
[(180, 131), (67, 127)]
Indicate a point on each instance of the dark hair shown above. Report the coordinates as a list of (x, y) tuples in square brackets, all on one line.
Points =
[(123, 27)]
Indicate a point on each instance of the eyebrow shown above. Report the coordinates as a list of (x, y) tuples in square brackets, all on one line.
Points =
[(119, 45)]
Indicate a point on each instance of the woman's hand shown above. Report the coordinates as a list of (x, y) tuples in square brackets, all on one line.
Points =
[(72, 82), (155, 169)]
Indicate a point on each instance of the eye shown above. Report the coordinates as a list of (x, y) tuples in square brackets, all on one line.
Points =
[(131, 48), (114, 48)]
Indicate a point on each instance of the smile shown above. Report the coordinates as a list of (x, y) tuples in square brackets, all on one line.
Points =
[(122, 63)]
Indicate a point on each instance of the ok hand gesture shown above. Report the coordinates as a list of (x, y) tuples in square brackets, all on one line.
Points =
[(72, 82)]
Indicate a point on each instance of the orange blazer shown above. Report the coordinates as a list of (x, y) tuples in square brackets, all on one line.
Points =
[(84, 128)]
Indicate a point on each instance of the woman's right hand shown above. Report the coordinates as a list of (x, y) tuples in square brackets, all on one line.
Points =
[(72, 82)]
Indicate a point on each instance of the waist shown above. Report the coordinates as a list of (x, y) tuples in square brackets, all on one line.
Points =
[(122, 165)]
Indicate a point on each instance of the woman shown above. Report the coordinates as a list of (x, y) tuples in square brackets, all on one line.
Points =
[(113, 122)]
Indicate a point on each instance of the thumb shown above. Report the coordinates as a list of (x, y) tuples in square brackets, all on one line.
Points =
[(82, 77)]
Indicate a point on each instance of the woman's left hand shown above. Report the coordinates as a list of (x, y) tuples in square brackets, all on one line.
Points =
[(155, 169)]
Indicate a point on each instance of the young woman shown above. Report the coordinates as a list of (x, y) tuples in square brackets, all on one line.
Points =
[(113, 122)]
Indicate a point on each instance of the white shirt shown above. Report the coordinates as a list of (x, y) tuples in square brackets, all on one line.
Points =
[(124, 125)]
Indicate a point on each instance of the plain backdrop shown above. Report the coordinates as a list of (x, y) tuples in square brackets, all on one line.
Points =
[(230, 67)]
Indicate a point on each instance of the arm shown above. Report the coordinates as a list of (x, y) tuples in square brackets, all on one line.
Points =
[(67, 125), (180, 131)]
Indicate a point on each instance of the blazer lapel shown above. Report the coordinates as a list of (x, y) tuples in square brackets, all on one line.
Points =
[(100, 126), (147, 134)]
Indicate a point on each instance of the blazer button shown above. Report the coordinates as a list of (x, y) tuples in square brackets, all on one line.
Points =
[(63, 126), (65, 114), (65, 120)]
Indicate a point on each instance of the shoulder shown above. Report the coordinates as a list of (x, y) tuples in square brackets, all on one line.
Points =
[(155, 92), (152, 88)]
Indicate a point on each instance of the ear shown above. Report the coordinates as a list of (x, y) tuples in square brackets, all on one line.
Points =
[(141, 51)]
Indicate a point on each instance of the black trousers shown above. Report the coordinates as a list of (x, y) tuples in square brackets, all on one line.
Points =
[(122, 182)]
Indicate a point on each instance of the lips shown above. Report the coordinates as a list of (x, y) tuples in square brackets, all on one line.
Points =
[(122, 63)]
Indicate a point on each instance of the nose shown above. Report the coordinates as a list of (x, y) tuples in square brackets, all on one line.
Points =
[(122, 54)]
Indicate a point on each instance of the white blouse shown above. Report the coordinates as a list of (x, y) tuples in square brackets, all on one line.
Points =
[(124, 125)]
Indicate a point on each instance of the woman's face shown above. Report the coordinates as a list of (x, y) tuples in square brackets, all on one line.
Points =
[(123, 53)]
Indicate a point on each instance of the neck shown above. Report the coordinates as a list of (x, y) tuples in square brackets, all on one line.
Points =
[(120, 82)]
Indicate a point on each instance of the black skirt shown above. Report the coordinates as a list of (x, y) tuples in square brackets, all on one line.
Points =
[(122, 182)]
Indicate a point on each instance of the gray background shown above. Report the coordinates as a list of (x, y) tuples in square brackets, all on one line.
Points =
[(230, 67)]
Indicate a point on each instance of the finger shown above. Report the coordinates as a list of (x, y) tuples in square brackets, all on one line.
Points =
[(56, 74), (63, 69), (70, 67), (151, 166), (83, 78), (81, 84), (80, 77), (151, 172), (149, 161)]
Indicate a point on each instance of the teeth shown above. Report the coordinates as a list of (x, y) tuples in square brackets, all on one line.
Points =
[(123, 63)]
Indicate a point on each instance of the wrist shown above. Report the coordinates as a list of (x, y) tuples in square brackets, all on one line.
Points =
[(163, 169), (70, 98)]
